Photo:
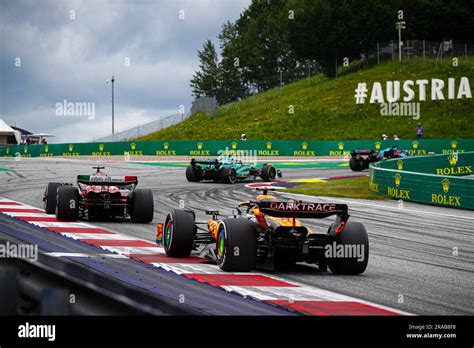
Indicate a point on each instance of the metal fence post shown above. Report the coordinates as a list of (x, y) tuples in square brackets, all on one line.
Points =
[(423, 50), (281, 77), (309, 74), (441, 52), (378, 53)]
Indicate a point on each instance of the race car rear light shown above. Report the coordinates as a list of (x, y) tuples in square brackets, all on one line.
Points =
[(130, 178), (341, 226)]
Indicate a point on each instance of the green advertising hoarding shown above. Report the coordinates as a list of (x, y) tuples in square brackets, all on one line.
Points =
[(444, 180), (216, 147)]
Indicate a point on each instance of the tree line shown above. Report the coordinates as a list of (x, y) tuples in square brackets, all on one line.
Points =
[(296, 36)]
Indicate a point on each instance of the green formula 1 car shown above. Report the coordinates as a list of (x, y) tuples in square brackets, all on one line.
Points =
[(228, 170)]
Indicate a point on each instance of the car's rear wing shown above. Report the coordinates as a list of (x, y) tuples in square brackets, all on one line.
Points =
[(207, 162), (107, 180), (302, 210), (362, 152), (306, 210)]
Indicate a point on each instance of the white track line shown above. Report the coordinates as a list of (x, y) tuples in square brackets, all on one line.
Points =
[(133, 250), (114, 236), (195, 268), (111, 256), (22, 214), (61, 224)]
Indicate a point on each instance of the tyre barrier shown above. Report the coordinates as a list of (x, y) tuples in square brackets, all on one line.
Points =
[(442, 180)]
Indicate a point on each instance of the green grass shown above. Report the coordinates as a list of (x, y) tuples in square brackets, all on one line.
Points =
[(344, 188), (325, 109)]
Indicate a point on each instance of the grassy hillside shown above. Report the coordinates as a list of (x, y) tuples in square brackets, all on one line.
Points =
[(325, 109)]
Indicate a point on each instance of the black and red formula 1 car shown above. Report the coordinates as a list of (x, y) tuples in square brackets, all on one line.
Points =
[(268, 233), (99, 196)]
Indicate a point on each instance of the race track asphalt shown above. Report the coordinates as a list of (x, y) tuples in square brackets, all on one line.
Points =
[(413, 264)]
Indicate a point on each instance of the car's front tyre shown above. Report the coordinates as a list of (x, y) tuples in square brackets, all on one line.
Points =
[(268, 173), (178, 233)]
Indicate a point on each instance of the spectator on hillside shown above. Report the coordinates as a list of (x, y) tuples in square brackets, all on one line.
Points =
[(419, 131), (384, 137), (43, 141), (243, 137), (395, 137)]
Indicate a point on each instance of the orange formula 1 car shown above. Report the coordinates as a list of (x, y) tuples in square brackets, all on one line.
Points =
[(267, 233)]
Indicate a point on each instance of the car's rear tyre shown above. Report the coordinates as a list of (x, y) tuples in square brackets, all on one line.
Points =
[(50, 196), (356, 164), (193, 174), (228, 175), (354, 234), (268, 173), (236, 245), (179, 231), (142, 206), (67, 208)]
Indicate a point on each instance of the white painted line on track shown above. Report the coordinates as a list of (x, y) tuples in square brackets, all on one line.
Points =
[(18, 207), (60, 224), (22, 214), (111, 256), (133, 250), (195, 268), (112, 236)]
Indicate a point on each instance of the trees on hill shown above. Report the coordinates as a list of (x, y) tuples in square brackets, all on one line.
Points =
[(275, 41), (205, 81)]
